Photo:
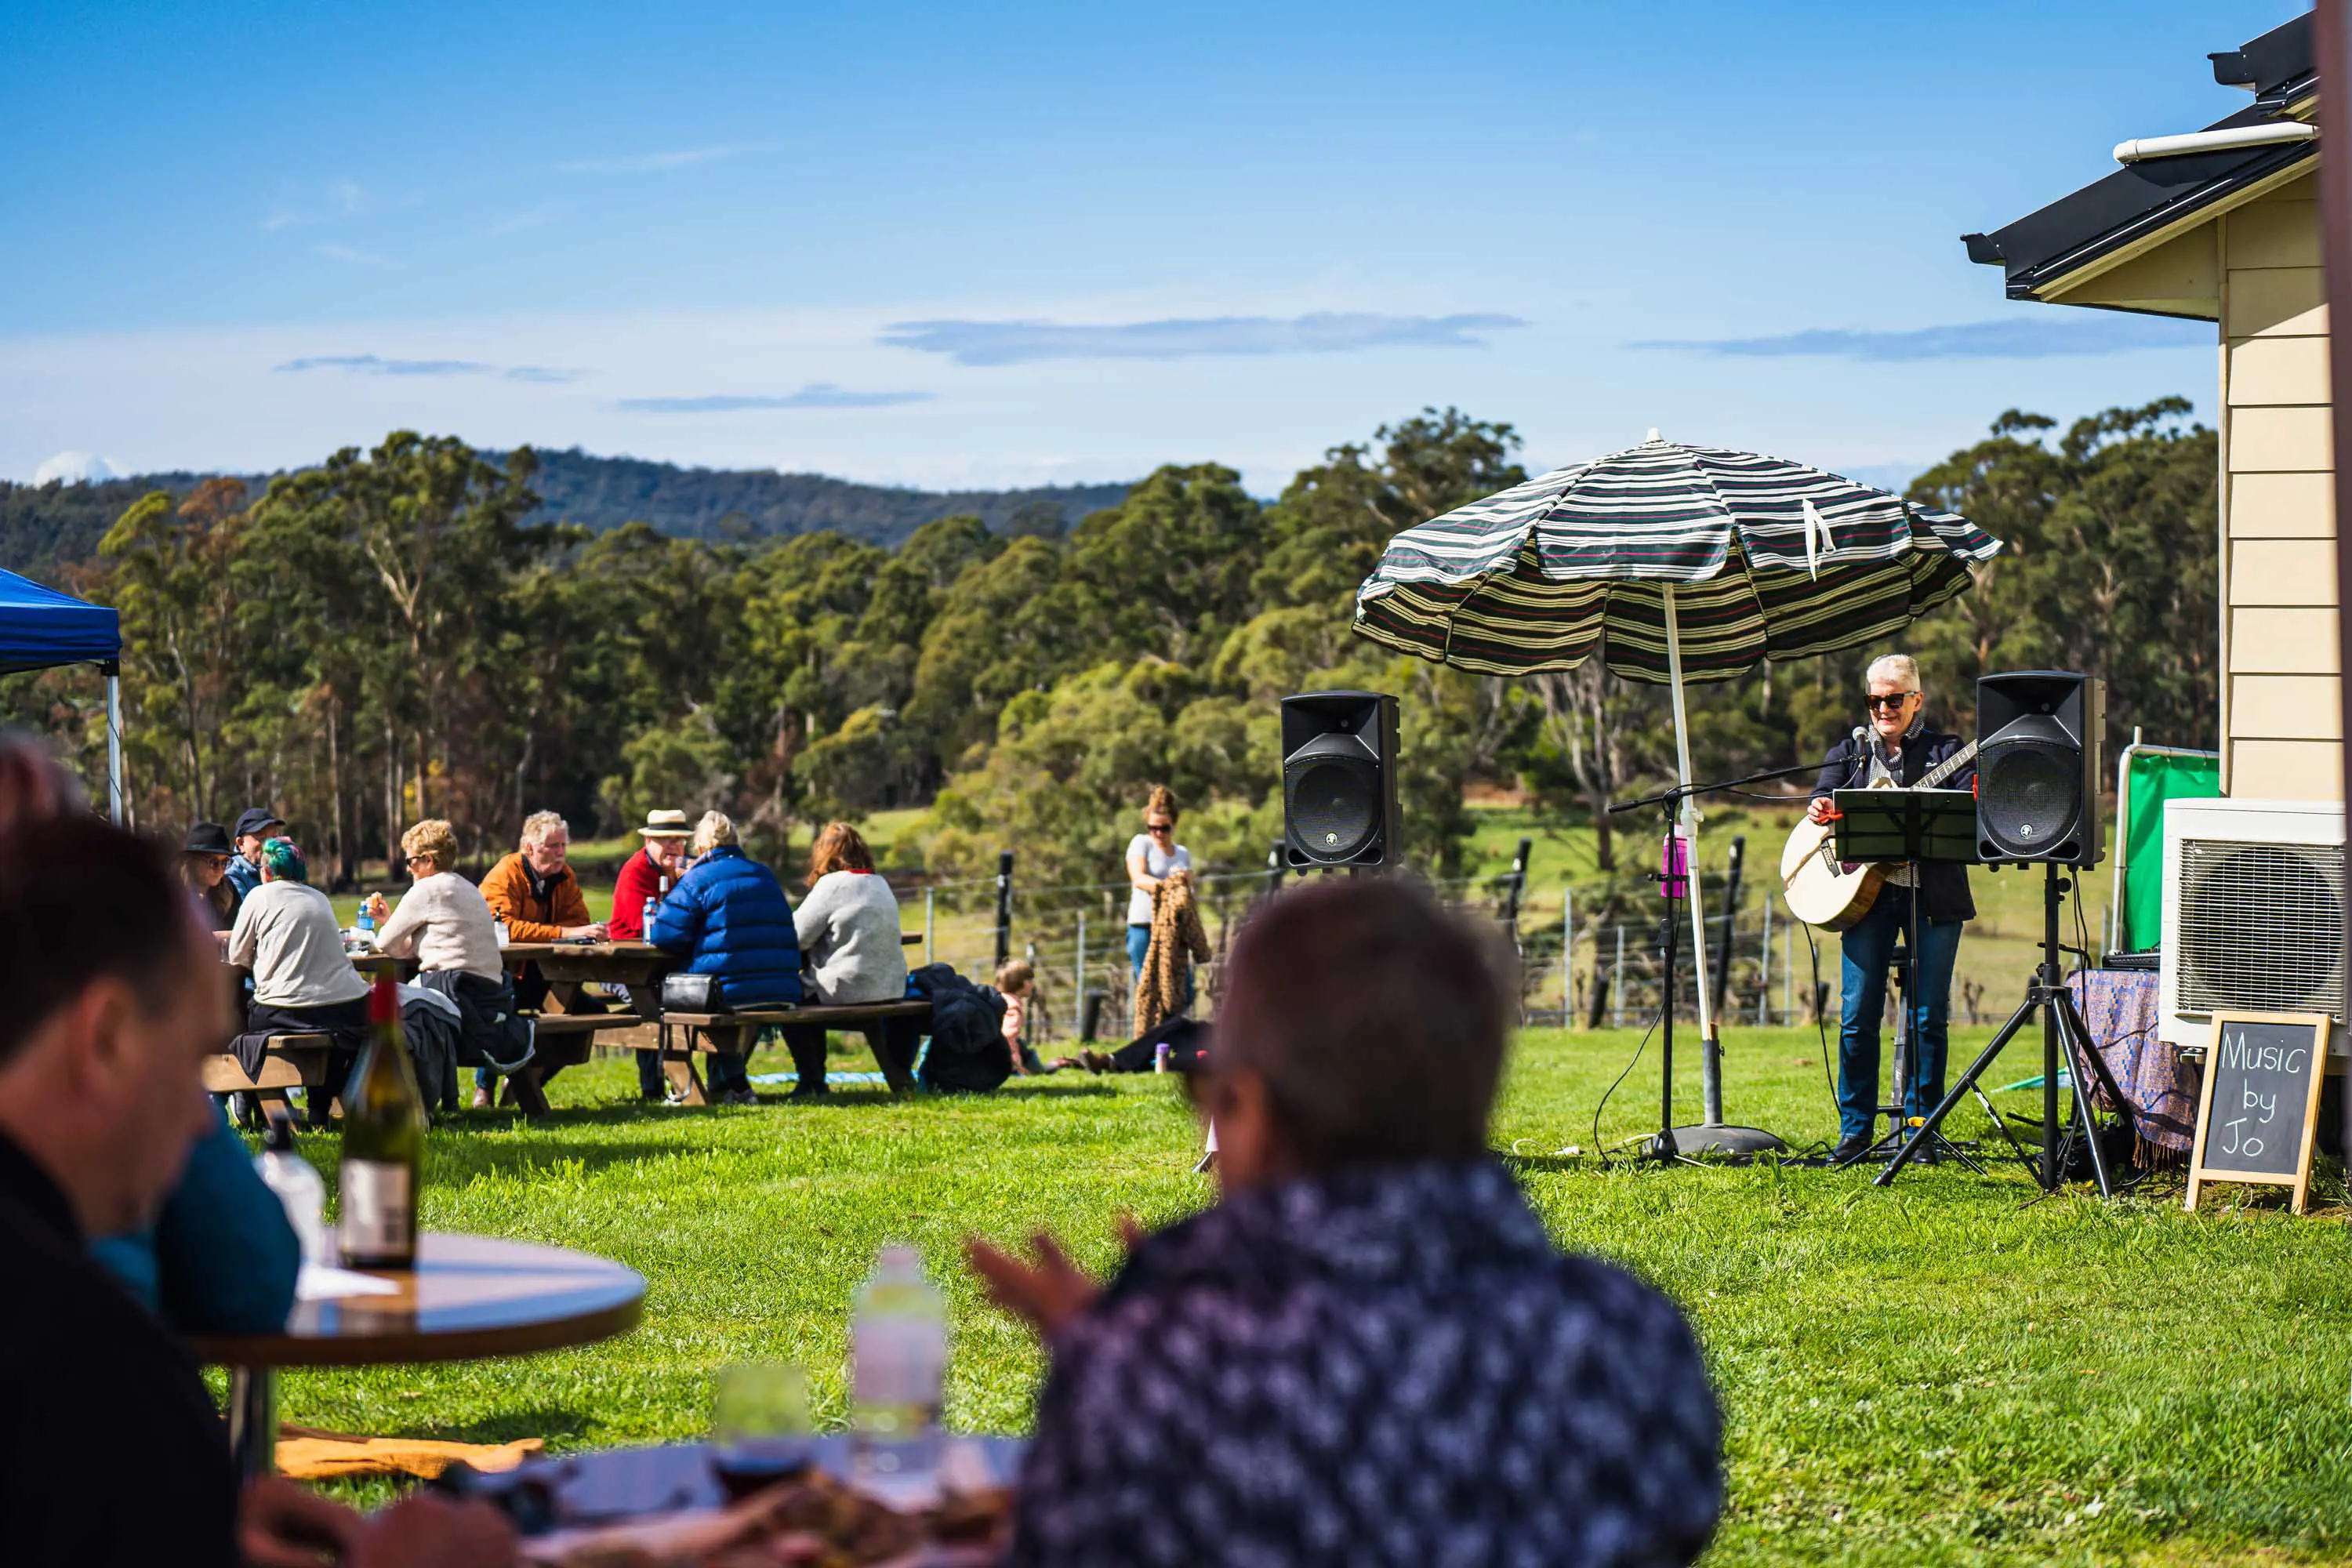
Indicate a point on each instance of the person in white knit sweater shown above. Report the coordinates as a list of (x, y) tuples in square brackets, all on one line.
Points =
[(445, 923), (848, 926)]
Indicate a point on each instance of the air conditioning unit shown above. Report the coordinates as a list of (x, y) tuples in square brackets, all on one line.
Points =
[(2254, 913)]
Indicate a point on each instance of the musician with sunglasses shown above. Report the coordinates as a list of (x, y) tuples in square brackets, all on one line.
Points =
[(1898, 748)]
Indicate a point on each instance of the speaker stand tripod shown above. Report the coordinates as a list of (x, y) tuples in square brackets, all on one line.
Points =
[(2046, 996)]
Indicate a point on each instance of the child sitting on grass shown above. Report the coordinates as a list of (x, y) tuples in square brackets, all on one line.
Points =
[(1015, 980)]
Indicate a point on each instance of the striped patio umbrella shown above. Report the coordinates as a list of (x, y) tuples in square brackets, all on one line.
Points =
[(1755, 557), (1672, 563)]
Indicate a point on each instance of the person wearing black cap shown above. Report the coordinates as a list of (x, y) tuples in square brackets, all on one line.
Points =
[(256, 826), (203, 870)]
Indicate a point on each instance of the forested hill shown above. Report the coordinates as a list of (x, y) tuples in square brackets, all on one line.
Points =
[(735, 505), (45, 526)]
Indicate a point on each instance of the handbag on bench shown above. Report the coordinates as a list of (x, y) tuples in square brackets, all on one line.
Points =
[(683, 993)]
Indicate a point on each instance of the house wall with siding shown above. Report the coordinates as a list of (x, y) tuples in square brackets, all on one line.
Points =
[(2281, 732)]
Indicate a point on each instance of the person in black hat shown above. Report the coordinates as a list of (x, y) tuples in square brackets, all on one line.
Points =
[(203, 870), (256, 826)]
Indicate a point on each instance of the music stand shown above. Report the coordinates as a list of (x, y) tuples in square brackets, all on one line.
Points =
[(1916, 827)]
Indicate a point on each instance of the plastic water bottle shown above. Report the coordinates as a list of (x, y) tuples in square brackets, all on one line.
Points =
[(297, 1187), (898, 1351), (646, 930), (365, 924)]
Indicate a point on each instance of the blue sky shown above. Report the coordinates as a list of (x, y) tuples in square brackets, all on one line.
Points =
[(1032, 244)]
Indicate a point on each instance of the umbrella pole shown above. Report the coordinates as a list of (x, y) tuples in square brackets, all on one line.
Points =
[(1687, 827)]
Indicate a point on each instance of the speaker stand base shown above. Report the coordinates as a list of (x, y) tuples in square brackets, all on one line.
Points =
[(1719, 1139)]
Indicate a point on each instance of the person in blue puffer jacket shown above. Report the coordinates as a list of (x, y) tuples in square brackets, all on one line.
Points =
[(729, 916)]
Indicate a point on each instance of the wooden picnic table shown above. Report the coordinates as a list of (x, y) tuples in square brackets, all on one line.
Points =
[(572, 1023), (469, 1297)]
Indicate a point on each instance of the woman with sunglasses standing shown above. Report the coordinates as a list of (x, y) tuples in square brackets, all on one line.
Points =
[(1898, 748), (1150, 856)]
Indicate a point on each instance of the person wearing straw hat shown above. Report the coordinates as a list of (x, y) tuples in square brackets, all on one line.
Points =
[(645, 880)]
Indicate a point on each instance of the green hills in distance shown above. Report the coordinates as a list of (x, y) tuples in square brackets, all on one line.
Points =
[(43, 527)]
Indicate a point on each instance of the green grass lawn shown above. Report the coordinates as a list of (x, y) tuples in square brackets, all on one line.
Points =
[(1947, 1371)]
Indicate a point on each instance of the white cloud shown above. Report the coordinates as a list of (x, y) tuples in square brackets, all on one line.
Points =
[(354, 255), (1322, 332), (538, 216), (74, 469), (815, 395), (342, 199), (654, 163)]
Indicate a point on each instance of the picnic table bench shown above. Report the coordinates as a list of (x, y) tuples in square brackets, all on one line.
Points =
[(739, 1031), (293, 1061)]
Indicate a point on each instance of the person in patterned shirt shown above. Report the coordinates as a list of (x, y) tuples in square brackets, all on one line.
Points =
[(1368, 1351)]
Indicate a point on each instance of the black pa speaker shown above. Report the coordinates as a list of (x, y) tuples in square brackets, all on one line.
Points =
[(1340, 780), (2038, 767)]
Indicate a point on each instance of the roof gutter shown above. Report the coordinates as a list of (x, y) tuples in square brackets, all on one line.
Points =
[(2146, 147)]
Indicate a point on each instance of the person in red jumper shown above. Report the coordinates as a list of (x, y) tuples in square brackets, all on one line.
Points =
[(645, 876)]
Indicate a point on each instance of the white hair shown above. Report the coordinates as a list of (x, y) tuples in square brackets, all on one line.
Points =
[(713, 830), (1898, 667), (540, 824)]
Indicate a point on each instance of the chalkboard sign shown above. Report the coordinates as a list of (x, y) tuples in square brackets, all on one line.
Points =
[(2255, 1115)]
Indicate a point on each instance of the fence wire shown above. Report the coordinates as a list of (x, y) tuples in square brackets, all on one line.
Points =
[(1591, 954)]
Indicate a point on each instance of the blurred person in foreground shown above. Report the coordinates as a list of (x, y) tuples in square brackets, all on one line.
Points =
[(645, 880), (1369, 1349), (219, 1256), (116, 996), (728, 917)]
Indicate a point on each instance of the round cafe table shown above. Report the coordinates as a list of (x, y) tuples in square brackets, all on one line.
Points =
[(469, 1297)]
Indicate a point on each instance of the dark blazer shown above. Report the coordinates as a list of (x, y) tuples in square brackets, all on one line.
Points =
[(1943, 886)]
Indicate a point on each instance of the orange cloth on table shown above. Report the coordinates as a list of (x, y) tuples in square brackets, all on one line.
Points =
[(1177, 943), (506, 889), (307, 1454)]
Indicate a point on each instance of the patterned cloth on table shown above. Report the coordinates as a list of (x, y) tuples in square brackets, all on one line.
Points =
[(2119, 1006)]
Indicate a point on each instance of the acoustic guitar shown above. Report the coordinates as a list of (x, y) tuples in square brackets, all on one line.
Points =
[(1825, 891)]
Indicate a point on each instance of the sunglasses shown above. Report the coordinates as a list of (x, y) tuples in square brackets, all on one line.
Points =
[(1159, 828), (1897, 701)]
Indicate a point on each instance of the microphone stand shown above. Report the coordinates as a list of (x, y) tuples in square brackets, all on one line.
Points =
[(1671, 1141)]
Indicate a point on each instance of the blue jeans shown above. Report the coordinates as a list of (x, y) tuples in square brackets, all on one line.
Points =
[(1869, 951)]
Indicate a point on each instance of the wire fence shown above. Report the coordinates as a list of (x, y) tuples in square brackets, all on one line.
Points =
[(1591, 954)]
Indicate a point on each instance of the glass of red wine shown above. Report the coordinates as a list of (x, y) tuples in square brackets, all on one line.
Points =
[(760, 1425)]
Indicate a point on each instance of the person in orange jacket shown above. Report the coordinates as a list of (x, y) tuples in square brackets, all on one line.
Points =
[(534, 889), (534, 892)]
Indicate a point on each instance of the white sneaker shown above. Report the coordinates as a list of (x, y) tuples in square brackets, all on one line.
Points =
[(481, 1100)]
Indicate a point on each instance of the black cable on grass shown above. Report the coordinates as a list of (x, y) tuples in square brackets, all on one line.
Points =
[(1630, 1066), (1821, 1022)]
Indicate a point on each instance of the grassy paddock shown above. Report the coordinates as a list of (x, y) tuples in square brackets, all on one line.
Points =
[(1948, 1371)]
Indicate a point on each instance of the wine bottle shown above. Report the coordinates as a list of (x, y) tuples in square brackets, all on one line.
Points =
[(384, 1144)]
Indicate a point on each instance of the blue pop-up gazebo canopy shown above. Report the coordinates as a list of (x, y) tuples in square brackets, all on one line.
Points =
[(41, 628)]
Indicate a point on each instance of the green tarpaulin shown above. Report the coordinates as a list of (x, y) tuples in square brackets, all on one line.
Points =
[(2153, 776)]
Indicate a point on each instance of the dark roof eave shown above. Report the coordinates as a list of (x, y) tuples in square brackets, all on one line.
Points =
[(2277, 67), (2125, 207)]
